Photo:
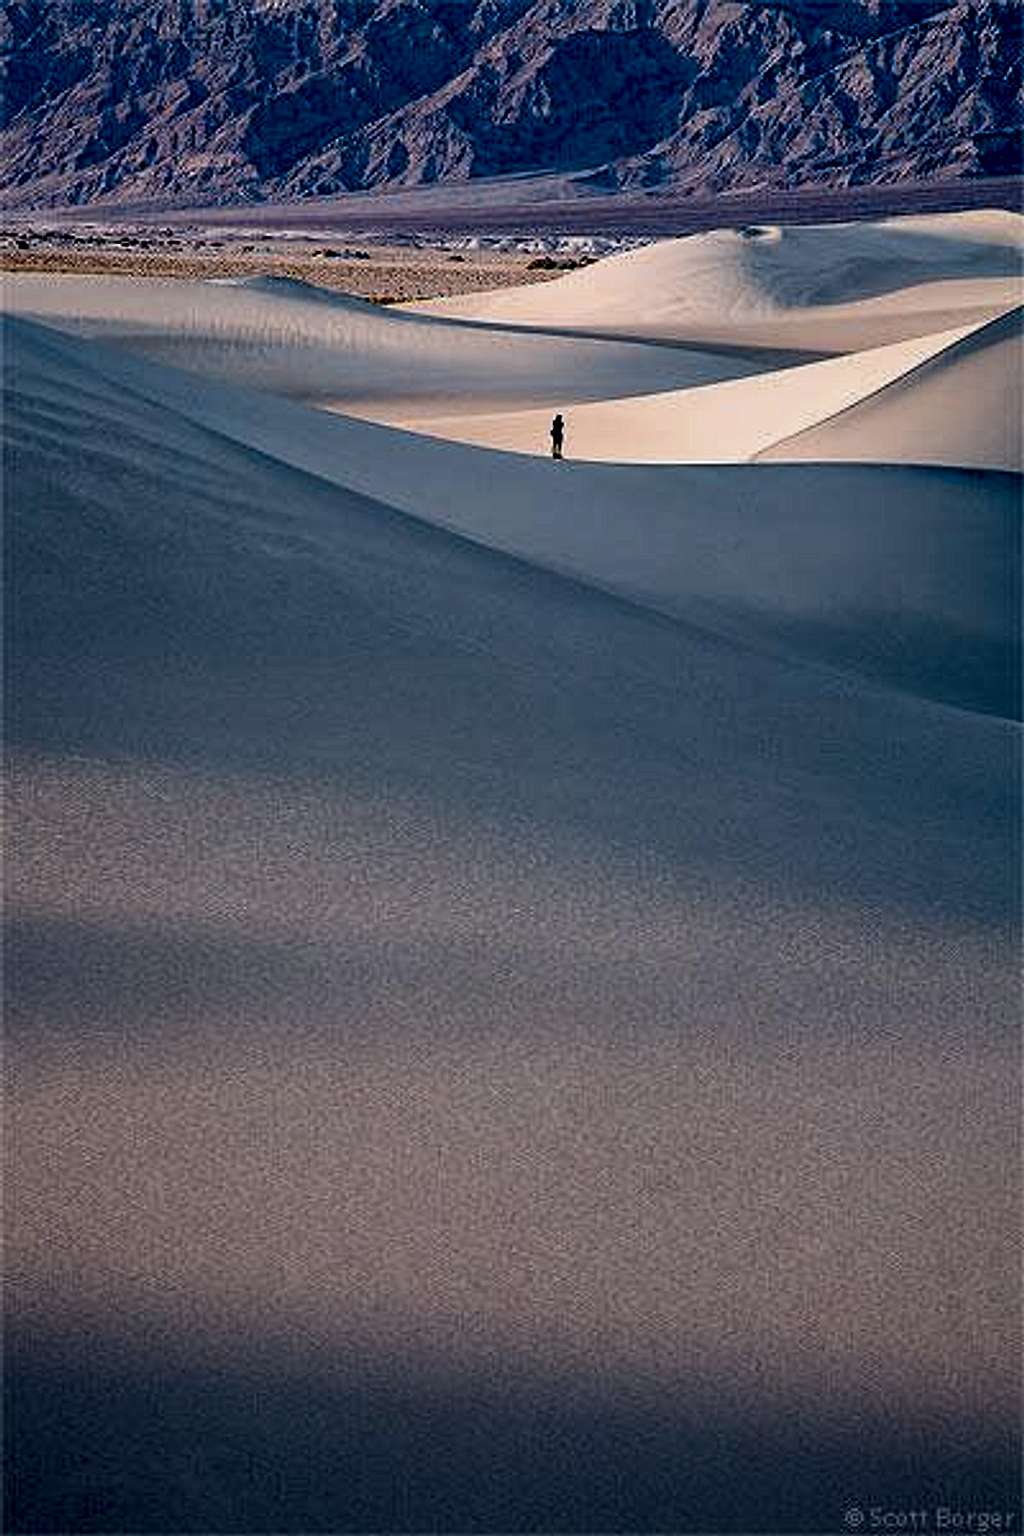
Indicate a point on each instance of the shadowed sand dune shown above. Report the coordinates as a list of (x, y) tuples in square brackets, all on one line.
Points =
[(309, 344), (286, 1438), (510, 972)]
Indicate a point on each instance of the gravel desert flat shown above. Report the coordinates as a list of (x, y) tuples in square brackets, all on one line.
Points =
[(373, 269)]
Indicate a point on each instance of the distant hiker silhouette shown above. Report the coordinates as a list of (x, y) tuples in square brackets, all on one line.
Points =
[(557, 436)]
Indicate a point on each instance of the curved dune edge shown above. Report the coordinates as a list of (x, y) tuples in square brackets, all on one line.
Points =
[(726, 423), (627, 402), (963, 406), (661, 502)]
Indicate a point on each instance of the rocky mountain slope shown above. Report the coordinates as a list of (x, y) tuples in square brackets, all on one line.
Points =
[(207, 101)]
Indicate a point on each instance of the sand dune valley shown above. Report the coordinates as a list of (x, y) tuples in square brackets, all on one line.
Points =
[(512, 965)]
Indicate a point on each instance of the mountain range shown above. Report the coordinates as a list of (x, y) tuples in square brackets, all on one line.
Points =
[(199, 102)]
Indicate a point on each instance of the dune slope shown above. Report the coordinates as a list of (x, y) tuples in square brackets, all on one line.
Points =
[(453, 1004), (510, 967), (305, 343), (964, 406)]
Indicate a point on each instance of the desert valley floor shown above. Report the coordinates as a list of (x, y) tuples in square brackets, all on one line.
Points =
[(512, 997)]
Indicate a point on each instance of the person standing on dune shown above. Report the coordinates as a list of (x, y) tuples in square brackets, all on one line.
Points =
[(557, 436)]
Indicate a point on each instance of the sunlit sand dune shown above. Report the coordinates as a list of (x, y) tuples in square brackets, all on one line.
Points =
[(738, 420), (964, 405), (835, 287)]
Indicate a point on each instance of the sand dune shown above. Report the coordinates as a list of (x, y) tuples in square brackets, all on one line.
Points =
[(310, 344), (511, 968), (829, 287), (859, 566), (629, 403), (737, 420), (964, 405)]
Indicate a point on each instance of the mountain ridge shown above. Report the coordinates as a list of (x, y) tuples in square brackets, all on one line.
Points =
[(217, 101)]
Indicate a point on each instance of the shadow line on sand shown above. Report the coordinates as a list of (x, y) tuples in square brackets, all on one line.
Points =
[(105, 1437)]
